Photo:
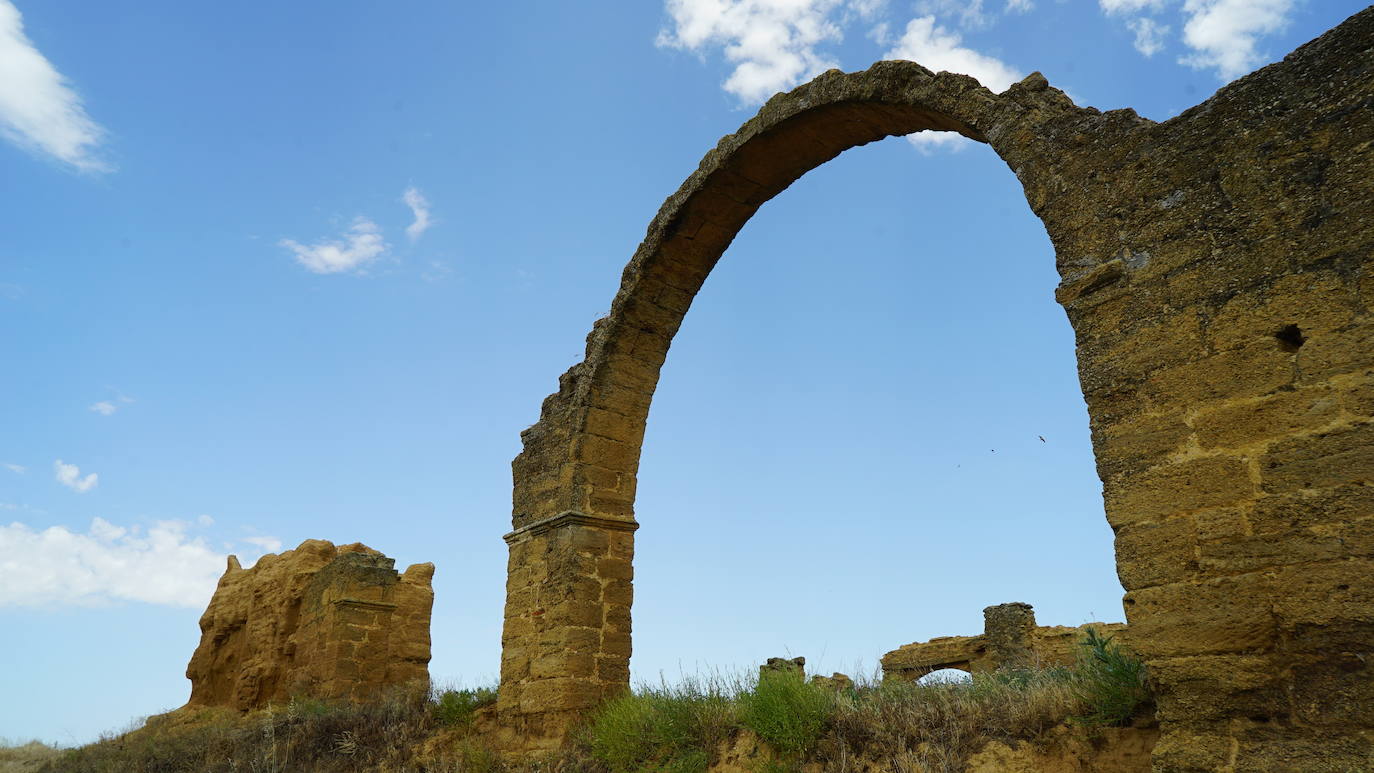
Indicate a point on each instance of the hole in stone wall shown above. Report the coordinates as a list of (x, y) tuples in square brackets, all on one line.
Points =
[(1290, 338), (945, 676)]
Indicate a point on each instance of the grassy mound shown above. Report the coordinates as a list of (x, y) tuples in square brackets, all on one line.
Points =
[(679, 728)]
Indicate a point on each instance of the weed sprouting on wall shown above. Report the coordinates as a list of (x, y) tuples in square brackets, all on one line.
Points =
[(1109, 681)]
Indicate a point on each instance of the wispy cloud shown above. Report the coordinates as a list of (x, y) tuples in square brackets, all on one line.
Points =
[(968, 13), (104, 408), (1130, 6), (1149, 35), (1225, 33), (772, 44), (268, 544), (361, 243), (419, 208), (39, 110), (937, 48), (17, 469), (69, 475), (160, 565)]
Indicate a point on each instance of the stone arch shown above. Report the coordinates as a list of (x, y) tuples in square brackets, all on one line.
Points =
[(1216, 271), (566, 643)]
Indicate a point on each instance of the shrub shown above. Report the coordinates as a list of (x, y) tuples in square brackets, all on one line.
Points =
[(1110, 682), (787, 712), (663, 728), (456, 708)]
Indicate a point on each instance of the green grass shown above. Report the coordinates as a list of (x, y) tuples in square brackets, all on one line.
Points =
[(787, 712), (930, 727), (456, 708), (680, 728), (664, 728), (1109, 681), (26, 757), (304, 735)]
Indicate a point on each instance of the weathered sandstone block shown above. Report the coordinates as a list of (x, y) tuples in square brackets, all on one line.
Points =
[(320, 620)]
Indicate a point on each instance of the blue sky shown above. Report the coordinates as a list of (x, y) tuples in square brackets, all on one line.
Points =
[(272, 272)]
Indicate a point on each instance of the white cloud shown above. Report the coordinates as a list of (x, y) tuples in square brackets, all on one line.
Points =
[(1149, 35), (419, 207), (38, 108), (69, 475), (867, 9), (205, 520), (361, 243), (771, 42), (881, 33), (1020, 6), (1130, 6), (969, 12), (17, 469), (938, 49), (104, 408), (162, 565), (1224, 33), (268, 544)]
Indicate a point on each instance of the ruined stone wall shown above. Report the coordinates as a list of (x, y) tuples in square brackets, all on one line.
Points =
[(1010, 639), (1219, 277), (1217, 270), (317, 621)]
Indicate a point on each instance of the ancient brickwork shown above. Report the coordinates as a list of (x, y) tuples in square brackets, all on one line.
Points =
[(1217, 270), (318, 621), (1010, 639), (566, 642)]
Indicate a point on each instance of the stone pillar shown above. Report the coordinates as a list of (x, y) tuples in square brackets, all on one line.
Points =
[(566, 643), (1009, 630)]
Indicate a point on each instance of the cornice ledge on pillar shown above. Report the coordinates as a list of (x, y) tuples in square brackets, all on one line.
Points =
[(569, 518)]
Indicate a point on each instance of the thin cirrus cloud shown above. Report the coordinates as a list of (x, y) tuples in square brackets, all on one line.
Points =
[(1149, 35), (39, 110), (359, 245), (970, 13), (69, 475), (163, 564), (362, 243), (419, 210), (104, 408), (266, 544), (17, 469)]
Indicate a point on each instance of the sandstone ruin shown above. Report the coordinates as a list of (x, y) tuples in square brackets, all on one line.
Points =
[(318, 621), (1217, 271), (1010, 639)]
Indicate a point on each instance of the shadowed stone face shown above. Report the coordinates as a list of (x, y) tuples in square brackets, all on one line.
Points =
[(1216, 269), (318, 621)]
